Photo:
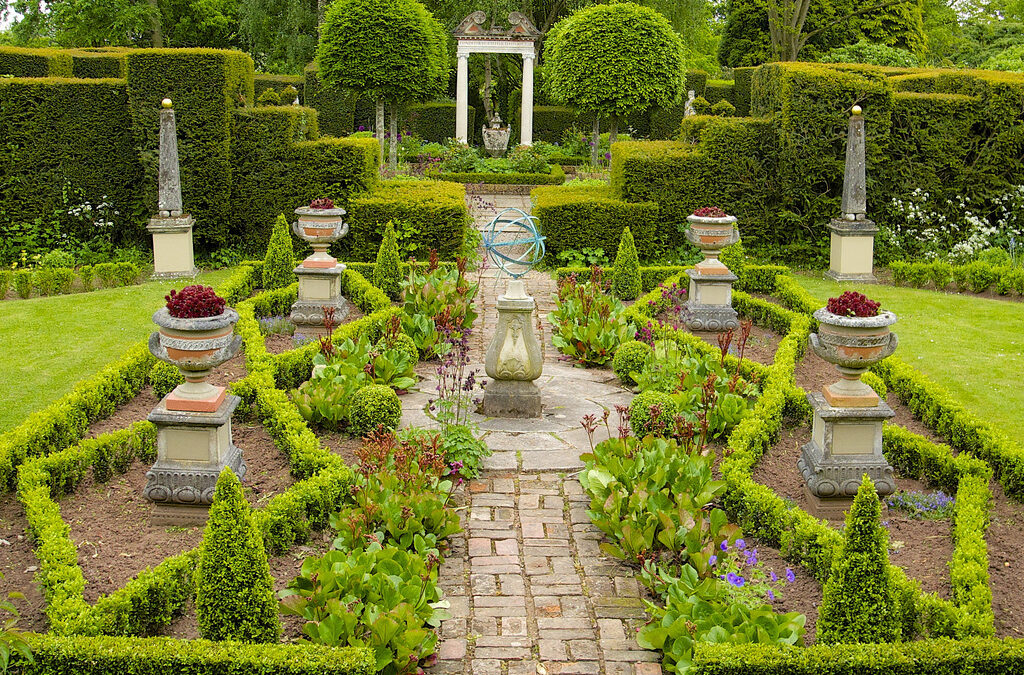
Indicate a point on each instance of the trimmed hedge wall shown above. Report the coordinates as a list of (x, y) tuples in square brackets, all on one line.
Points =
[(279, 163), (576, 217), (94, 62), (335, 109), (556, 177), (28, 62), (434, 121), (206, 85), (263, 81), (434, 210), (74, 134)]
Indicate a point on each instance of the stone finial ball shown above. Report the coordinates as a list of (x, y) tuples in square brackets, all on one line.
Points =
[(857, 110), (166, 103)]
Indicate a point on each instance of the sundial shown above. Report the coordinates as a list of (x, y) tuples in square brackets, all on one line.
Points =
[(513, 242)]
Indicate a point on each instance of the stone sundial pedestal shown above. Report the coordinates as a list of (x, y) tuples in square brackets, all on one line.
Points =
[(319, 274), (514, 358), (173, 255), (846, 437)]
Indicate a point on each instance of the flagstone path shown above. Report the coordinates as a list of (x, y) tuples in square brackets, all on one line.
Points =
[(530, 591)]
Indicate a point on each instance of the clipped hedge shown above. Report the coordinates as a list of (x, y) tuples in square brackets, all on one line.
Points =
[(31, 62), (650, 276), (576, 217), (166, 656), (434, 211), (335, 109), (434, 121), (263, 81)]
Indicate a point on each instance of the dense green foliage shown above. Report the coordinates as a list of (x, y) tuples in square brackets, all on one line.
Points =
[(375, 405), (280, 258), (858, 601), (629, 358), (614, 60), (871, 53), (386, 273), (234, 589), (626, 284)]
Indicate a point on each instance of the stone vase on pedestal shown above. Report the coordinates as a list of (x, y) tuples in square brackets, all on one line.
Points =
[(846, 438), (514, 358), (709, 302), (319, 274), (496, 139), (194, 421)]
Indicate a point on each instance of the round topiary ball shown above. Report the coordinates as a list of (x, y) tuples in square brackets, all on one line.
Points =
[(630, 358), (640, 413), (402, 343), (372, 406)]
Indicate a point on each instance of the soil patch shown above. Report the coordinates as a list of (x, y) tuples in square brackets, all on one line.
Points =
[(1006, 563), (802, 595), (18, 564), (278, 344), (341, 444), (761, 345)]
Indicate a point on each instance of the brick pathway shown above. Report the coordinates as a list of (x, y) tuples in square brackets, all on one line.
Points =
[(529, 589)]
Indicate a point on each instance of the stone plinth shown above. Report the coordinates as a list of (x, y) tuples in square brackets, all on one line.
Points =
[(514, 358), (709, 303), (192, 449), (852, 253), (173, 256), (319, 287), (845, 444)]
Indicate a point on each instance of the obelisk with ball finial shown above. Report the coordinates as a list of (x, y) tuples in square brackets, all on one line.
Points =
[(853, 235), (173, 255)]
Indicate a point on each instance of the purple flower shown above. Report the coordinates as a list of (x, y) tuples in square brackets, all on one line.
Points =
[(712, 560), (740, 544), (725, 545), (736, 580), (731, 578), (771, 595), (775, 577), (607, 155), (790, 577), (362, 128)]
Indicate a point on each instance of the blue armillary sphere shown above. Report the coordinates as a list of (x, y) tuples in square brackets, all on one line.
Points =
[(513, 242)]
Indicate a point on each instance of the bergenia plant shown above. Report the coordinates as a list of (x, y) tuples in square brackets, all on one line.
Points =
[(852, 303), (710, 212), (194, 302), (322, 203)]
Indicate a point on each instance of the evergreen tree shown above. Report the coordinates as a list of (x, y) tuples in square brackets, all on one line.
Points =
[(279, 265), (234, 589), (859, 602), (387, 276), (626, 284)]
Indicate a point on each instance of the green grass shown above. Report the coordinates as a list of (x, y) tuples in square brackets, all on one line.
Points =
[(49, 344), (972, 346)]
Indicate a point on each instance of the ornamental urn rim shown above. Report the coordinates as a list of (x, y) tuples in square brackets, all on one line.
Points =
[(336, 212), (162, 317), (712, 220), (883, 319)]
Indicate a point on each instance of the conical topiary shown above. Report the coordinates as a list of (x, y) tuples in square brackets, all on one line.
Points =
[(626, 282), (279, 265), (234, 589), (386, 273), (859, 601)]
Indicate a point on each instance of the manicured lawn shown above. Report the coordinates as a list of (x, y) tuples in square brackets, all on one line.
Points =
[(973, 346), (49, 344)]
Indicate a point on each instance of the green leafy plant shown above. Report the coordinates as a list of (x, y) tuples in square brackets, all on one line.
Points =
[(588, 324), (125, 273), (12, 641), (527, 159), (373, 406), (106, 273), (57, 258), (5, 282), (386, 274), (652, 412), (626, 283), (723, 108), (85, 274), (437, 294), (42, 280), (630, 358), (269, 97), (701, 106), (395, 339), (234, 589), (585, 257), (858, 602), (279, 263)]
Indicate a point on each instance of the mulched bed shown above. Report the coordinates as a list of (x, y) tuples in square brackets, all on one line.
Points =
[(761, 345), (1006, 563)]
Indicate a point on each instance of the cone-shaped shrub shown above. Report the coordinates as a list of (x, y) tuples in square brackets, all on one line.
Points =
[(626, 283), (859, 602), (280, 260), (386, 274), (234, 589)]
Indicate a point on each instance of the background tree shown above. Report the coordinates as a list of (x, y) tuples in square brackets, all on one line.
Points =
[(612, 60), (392, 51)]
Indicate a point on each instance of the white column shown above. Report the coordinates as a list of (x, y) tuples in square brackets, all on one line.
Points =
[(526, 130), (462, 100)]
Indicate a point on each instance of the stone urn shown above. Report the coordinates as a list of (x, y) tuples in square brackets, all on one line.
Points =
[(711, 235), (320, 228), (496, 139), (195, 346), (853, 344)]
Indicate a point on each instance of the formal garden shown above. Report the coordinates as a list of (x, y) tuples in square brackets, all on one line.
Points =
[(386, 336)]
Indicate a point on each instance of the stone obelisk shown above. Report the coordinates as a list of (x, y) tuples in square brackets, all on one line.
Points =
[(853, 235), (173, 255)]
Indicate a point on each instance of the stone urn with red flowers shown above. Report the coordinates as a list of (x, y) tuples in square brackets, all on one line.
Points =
[(196, 334), (853, 334), (321, 225)]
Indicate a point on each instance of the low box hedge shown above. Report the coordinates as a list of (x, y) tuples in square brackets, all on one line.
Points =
[(556, 176)]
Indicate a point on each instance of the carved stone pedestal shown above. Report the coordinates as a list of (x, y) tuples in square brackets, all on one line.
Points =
[(192, 449), (319, 287), (853, 248), (173, 256), (845, 444), (709, 303), (514, 358)]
